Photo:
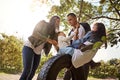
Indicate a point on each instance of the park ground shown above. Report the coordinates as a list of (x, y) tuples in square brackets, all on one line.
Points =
[(4, 76)]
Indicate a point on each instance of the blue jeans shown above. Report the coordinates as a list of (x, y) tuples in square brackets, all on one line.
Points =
[(30, 63), (66, 50)]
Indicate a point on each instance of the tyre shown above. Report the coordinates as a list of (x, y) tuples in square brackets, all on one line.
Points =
[(53, 66)]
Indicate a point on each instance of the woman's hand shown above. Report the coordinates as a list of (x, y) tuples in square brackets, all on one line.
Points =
[(54, 42)]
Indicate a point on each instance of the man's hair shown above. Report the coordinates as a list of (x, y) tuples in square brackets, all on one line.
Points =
[(71, 14)]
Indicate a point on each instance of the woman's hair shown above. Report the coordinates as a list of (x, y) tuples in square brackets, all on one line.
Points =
[(53, 20), (52, 24), (101, 32)]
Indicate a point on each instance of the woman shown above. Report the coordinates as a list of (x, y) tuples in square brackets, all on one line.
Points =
[(36, 42)]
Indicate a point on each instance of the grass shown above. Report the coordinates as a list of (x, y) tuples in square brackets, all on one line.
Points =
[(92, 78), (5, 76)]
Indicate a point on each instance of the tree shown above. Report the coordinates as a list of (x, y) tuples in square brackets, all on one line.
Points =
[(10, 54), (110, 68), (107, 11)]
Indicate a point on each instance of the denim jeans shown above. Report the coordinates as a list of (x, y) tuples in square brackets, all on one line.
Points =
[(30, 63), (66, 50)]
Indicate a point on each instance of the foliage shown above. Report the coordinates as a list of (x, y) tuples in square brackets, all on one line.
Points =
[(110, 68), (10, 54), (97, 45), (106, 11)]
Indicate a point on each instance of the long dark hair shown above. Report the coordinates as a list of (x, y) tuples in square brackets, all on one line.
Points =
[(53, 20), (101, 32), (52, 26)]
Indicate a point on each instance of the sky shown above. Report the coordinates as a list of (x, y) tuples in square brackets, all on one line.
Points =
[(19, 17)]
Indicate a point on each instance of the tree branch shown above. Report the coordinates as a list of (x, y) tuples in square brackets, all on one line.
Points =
[(106, 18), (98, 17), (113, 30), (115, 8), (81, 5)]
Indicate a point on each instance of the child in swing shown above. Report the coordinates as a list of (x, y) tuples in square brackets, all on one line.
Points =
[(63, 40)]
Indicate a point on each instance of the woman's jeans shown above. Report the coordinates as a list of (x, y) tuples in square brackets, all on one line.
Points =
[(30, 63), (66, 50)]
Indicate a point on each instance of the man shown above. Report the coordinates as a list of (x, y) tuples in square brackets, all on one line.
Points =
[(81, 73)]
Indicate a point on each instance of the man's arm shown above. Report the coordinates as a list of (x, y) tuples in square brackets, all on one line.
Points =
[(81, 32)]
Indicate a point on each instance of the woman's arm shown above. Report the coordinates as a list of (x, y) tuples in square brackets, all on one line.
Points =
[(54, 42)]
